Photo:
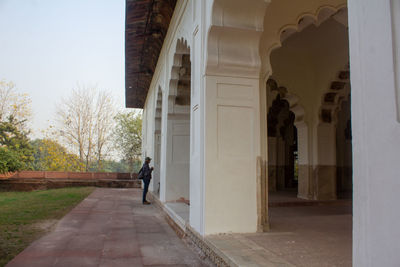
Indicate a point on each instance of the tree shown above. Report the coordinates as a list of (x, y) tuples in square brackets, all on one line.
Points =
[(14, 107), (15, 149), (103, 126), (49, 155), (15, 112), (113, 166), (85, 122), (128, 137)]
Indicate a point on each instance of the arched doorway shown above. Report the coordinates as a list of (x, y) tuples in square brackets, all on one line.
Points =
[(307, 62), (177, 183)]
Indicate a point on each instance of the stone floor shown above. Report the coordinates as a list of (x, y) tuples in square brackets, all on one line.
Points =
[(303, 233), (300, 236), (289, 198), (110, 228)]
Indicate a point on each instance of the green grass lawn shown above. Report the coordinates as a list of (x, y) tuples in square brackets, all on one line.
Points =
[(25, 216)]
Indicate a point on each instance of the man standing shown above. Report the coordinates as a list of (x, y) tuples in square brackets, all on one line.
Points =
[(146, 174)]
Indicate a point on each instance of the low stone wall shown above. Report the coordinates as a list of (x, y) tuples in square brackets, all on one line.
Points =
[(69, 175), (40, 180)]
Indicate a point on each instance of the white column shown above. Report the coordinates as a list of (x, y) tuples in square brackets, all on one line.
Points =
[(272, 163), (232, 145), (231, 97), (154, 185), (304, 165), (163, 150), (376, 132), (325, 168), (281, 163), (197, 122)]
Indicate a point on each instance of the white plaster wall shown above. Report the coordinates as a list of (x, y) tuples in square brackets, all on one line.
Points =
[(376, 133), (191, 21), (376, 130), (178, 160), (187, 23), (219, 117)]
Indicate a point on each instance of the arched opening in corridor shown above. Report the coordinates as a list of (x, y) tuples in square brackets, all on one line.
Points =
[(309, 133), (176, 189), (310, 65)]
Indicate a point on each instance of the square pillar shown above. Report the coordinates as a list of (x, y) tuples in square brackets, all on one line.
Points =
[(272, 164), (304, 165), (325, 169), (232, 144), (374, 30)]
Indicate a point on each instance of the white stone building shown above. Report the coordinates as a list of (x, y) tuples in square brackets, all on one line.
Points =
[(250, 97)]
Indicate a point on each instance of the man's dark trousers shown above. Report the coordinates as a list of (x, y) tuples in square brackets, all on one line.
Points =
[(146, 188)]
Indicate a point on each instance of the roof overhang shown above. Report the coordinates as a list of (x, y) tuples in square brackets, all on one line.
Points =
[(146, 25)]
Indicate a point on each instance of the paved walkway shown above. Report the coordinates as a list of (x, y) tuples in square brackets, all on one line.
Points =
[(306, 236), (110, 228)]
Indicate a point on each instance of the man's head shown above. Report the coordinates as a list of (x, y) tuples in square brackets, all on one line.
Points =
[(147, 159)]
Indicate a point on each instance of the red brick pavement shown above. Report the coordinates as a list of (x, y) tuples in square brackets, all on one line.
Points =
[(110, 228)]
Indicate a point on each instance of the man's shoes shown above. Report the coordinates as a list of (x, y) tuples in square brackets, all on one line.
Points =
[(146, 203)]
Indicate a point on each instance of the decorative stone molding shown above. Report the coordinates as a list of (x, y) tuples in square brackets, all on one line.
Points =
[(179, 85), (305, 20), (234, 36), (274, 38), (158, 109)]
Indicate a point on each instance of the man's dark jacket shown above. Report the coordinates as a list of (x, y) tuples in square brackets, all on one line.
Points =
[(146, 171)]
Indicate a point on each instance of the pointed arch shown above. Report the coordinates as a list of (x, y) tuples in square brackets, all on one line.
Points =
[(310, 14), (177, 160), (179, 84)]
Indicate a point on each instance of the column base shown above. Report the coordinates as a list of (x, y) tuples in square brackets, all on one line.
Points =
[(325, 182)]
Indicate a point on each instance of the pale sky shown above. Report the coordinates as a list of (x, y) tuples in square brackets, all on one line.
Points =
[(48, 46)]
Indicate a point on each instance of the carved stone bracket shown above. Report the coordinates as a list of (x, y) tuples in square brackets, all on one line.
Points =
[(234, 36)]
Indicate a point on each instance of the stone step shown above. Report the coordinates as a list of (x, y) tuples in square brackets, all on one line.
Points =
[(304, 203)]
